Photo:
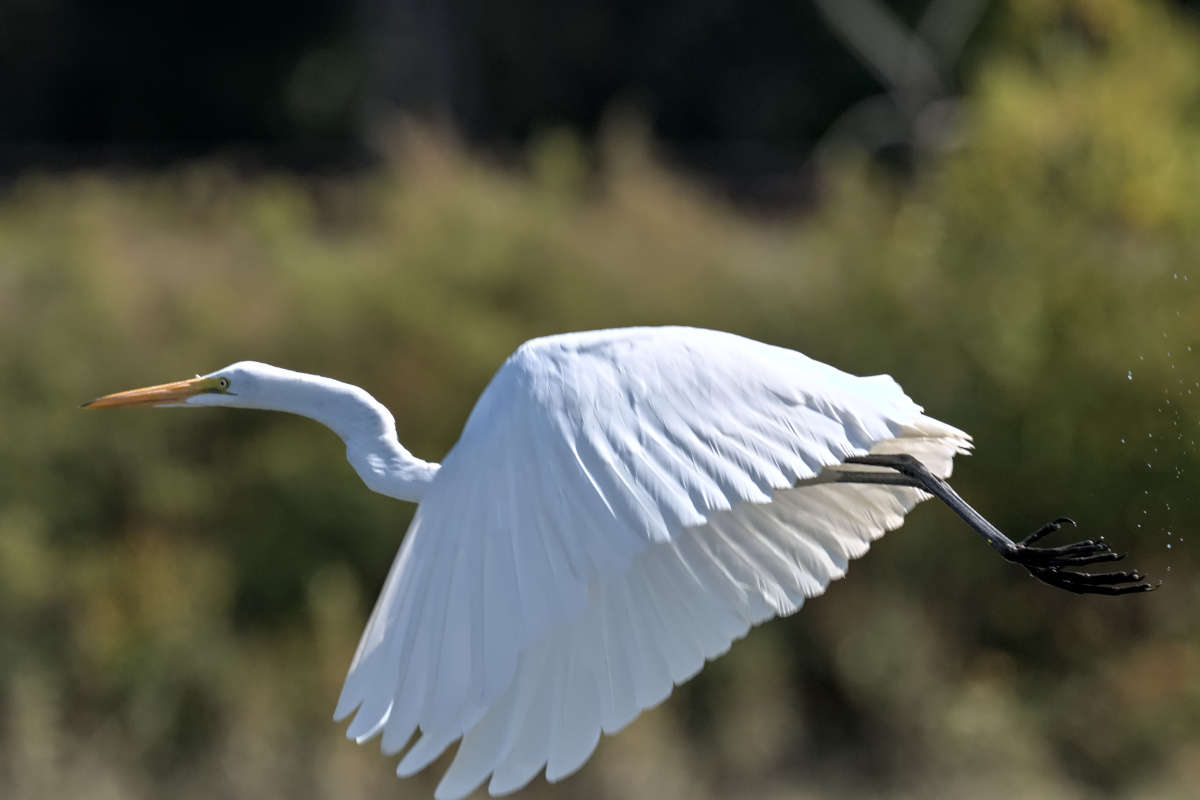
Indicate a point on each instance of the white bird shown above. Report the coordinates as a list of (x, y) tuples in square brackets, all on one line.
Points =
[(622, 505)]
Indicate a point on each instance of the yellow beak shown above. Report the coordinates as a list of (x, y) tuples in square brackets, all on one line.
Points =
[(163, 394)]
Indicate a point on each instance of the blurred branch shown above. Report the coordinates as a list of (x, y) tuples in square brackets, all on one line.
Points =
[(894, 55), (946, 26), (915, 66)]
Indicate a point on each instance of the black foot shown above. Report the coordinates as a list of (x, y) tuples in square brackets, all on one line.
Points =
[(1048, 564)]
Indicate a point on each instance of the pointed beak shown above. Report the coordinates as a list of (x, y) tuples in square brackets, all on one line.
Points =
[(165, 394)]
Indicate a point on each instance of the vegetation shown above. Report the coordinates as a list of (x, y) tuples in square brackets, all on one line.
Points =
[(181, 591)]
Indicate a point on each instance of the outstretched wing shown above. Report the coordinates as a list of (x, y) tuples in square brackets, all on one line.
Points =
[(622, 505)]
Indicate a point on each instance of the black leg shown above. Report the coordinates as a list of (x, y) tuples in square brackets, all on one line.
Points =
[(1047, 564)]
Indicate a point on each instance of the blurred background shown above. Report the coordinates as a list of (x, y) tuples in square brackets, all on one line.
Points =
[(996, 203)]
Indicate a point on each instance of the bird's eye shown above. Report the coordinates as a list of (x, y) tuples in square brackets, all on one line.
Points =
[(223, 383)]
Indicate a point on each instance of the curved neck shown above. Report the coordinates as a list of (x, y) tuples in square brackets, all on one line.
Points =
[(367, 428)]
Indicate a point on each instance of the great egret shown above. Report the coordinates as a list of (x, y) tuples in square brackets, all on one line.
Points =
[(621, 507)]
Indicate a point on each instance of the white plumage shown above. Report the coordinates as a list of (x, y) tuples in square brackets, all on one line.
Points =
[(622, 505), (618, 509)]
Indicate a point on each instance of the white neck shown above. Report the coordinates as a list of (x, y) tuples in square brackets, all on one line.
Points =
[(363, 423)]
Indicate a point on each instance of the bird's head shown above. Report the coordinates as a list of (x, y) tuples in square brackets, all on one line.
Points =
[(246, 384)]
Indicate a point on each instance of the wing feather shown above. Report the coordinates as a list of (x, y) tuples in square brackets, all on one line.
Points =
[(690, 609), (622, 506), (673, 651), (578, 720), (606, 545), (719, 484), (618, 697), (501, 614), (481, 749), (528, 752), (485, 746)]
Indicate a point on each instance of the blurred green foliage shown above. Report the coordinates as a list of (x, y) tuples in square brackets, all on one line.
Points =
[(181, 591)]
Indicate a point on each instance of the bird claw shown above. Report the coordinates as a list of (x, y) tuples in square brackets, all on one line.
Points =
[(1048, 564), (1046, 530)]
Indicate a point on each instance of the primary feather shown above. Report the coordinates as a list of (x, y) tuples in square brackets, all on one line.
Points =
[(622, 505)]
